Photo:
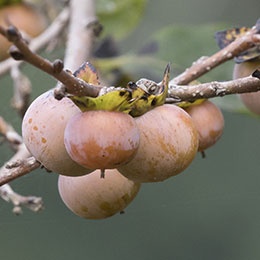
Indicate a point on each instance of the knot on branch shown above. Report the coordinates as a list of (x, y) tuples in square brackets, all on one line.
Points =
[(58, 66), (256, 73), (12, 33), (15, 53)]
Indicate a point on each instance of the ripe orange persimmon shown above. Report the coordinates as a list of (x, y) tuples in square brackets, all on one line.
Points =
[(101, 139), (209, 123), (25, 17)]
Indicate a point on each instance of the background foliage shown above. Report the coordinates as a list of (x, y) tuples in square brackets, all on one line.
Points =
[(211, 211)]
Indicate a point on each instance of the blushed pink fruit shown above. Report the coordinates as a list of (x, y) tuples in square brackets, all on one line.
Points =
[(101, 139)]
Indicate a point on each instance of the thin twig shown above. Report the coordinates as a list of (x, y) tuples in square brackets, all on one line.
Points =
[(19, 164), (31, 202), (191, 93), (10, 135), (22, 90), (203, 66), (42, 40), (23, 52), (14, 170)]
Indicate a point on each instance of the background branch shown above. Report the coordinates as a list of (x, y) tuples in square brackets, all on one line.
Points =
[(81, 33), (42, 40), (22, 90), (31, 202), (17, 166), (205, 64)]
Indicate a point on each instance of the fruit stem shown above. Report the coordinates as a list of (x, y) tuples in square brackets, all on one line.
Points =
[(203, 154), (102, 175)]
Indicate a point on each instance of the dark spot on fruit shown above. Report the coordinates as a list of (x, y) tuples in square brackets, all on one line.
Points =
[(126, 198), (84, 209)]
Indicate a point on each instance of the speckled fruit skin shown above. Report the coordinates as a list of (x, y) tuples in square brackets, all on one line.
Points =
[(168, 144), (25, 18), (209, 122), (250, 100), (43, 133), (93, 197), (101, 139)]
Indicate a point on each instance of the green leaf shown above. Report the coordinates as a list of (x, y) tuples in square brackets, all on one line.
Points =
[(136, 66), (120, 17), (9, 2), (184, 44)]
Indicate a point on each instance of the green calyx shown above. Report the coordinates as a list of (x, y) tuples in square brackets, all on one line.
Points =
[(136, 99)]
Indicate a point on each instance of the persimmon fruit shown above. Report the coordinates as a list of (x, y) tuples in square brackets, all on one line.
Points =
[(43, 133), (168, 144), (93, 197), (101, 139)]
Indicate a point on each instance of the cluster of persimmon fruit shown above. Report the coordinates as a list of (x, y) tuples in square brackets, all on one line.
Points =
[(103, 157)]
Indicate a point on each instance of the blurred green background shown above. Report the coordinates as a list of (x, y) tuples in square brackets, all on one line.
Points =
[(211, 211)]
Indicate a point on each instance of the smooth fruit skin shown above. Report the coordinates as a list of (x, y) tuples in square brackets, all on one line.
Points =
[(101, 139), (250, 100), (209, 122), (93, 197), (43, 133), (168, 144), (24, 17)]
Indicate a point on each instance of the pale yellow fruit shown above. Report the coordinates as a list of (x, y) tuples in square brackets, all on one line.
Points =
[(43, 133), (93, 197), (168, 144), (24, 17), (250, 100), (209, 123)]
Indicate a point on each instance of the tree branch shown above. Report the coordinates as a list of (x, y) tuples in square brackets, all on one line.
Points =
[(191, 93), (17, 166), (42, 40), (205, 64), (22, 90), (83, 30), (20, 163), (31, 202)]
